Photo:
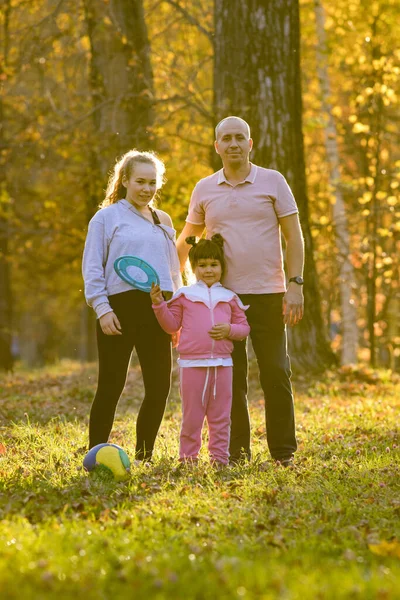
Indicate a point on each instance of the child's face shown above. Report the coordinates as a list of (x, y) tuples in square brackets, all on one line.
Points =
[(208, 270)]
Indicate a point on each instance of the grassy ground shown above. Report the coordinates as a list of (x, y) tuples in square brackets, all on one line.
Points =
[(328, 529)]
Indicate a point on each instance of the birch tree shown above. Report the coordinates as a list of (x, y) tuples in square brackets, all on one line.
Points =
[(339, 215)]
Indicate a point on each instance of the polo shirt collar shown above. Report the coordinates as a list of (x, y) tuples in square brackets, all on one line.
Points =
[(251, 177)]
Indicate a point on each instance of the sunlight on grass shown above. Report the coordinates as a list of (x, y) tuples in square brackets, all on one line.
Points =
[(327, 529)]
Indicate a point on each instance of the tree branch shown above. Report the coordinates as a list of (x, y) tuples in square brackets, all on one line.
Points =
[(190, 19), (49, 16), (191, 142)]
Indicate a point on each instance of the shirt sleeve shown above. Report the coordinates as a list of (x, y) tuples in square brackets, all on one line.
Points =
[(239, 325), (196, 211), (285, 204), (169, 315), (93, 264)]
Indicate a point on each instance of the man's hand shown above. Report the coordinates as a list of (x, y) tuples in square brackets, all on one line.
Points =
[(181, 245), (109, 324), (220, 331), (156, 294), (293, 305)]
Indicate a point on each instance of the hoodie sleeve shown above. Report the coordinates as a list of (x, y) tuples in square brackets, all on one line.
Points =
[(239, 325), (169, 315), (94, 258)]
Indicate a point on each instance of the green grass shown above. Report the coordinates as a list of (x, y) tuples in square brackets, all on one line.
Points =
[(328, 529)]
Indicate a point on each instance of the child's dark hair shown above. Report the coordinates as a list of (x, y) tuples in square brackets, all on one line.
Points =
[(213, 248)]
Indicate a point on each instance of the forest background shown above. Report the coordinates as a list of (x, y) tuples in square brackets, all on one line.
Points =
[(83, 81)]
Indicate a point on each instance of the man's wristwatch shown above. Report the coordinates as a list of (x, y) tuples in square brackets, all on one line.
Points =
[(299, 280)]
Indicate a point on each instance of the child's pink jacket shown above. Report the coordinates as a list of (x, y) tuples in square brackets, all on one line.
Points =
[(196, 309)]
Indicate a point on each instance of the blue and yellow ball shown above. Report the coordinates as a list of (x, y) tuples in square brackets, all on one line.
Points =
[(110, 457)]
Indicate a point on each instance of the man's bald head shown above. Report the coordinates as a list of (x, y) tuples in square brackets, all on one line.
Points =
[(231, 120)]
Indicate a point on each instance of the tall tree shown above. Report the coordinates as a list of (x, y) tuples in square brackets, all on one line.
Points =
[(339, 214), (122, 94), (6, 360), (121, 76), (257, 76)]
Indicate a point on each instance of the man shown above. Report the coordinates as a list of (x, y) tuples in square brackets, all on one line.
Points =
[(249, 205)]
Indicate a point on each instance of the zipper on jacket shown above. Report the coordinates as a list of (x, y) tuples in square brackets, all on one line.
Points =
[(212, 322)]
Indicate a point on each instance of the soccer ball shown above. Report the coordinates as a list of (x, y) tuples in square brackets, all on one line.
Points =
[(110, 457)]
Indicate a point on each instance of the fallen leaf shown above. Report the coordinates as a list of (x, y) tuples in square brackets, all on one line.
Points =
[(386, 548)]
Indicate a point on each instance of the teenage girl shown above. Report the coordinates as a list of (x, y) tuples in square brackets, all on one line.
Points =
[(210, 317), (128, 224)]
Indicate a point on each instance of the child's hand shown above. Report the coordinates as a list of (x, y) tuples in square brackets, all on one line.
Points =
[(220, 331), (155, 294)]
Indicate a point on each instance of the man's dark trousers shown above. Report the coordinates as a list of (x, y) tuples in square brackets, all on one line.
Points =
[(268, 336)]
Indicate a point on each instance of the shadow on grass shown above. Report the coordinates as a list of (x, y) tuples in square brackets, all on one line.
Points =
[(42, 395), (97, 496)]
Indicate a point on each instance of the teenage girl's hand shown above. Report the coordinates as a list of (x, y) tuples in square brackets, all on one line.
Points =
[(220, 331), (156, 294), (109, 324)]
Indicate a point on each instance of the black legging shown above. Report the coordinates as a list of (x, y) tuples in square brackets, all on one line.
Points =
[(140, 330)]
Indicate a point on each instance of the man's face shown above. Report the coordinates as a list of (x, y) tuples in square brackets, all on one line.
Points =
[(233, 143)]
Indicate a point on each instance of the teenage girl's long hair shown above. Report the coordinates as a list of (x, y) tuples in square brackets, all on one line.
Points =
[(123, 170)]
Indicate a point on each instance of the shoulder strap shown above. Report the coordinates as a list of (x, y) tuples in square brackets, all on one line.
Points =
[(155, 216)]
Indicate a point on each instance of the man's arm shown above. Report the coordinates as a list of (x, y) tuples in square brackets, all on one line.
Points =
[(293, 301), (182, 247)]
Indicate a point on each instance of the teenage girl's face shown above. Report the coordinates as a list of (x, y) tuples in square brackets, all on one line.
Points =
[(208, 270), (142, 185)]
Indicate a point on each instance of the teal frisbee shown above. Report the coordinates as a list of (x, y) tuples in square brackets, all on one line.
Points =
[(122, 264)]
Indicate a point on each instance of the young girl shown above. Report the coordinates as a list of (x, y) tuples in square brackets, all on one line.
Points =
[(210, 317), (127, 224)]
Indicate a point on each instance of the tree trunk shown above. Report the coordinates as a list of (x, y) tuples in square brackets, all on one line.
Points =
[(6, 359), (121, 77), (393, 333), (346, 270), (257, 77), (121, 83)]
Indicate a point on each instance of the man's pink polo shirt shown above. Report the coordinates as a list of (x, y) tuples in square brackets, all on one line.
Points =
[(246, 215)]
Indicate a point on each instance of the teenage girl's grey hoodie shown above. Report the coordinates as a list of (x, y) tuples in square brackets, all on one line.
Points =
[(120, 230)]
